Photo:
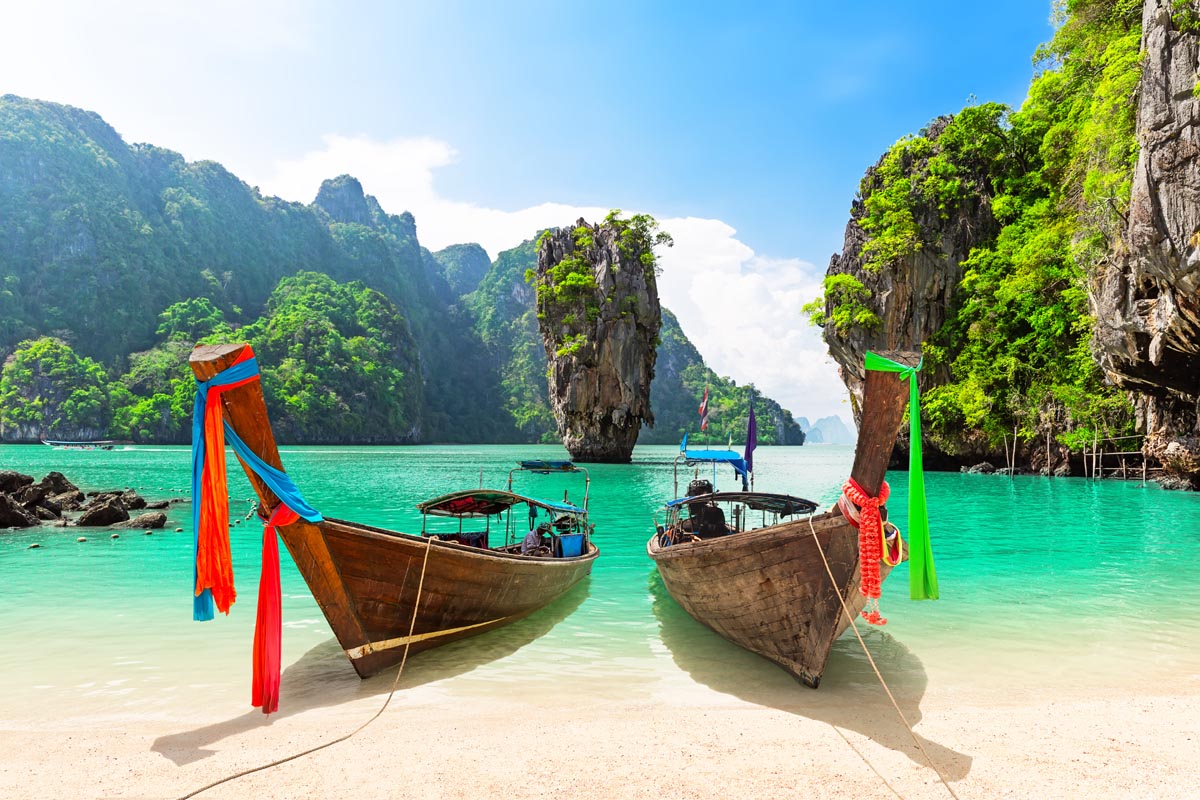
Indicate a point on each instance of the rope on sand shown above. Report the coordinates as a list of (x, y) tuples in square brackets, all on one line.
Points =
[(403, 659), (878, 674)]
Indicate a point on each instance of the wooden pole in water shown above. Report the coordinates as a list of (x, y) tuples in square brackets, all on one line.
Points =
[(1013, 469), (1095, 452), (1049, 472)]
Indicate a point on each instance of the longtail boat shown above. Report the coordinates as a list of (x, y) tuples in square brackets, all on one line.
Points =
[(366, 579), (100, 444), (760, 575)]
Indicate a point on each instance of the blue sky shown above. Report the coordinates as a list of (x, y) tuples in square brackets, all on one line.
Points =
[(746, 128)]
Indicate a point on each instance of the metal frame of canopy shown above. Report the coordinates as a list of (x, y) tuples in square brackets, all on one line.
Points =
[(486, 503), (714, 457)]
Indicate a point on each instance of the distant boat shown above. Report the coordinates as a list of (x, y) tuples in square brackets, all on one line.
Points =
[(755, 575), (471, 578), (104, 444)]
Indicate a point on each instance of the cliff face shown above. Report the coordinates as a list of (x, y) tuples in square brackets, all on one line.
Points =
[(1146, 299), (599, 317), (910, 296)]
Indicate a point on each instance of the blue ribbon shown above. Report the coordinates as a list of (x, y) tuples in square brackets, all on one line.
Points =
[(278, 481)]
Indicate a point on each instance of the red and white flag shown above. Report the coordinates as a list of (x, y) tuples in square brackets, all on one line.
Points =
[(704, 411)]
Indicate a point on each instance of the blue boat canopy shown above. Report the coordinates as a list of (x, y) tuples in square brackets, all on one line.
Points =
[(782, 504), (729, 457), (487, 502)]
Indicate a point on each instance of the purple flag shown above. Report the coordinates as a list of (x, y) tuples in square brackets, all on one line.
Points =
[(751, 439)]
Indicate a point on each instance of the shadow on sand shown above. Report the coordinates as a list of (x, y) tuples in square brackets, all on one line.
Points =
[(850, 696), (324, 677)]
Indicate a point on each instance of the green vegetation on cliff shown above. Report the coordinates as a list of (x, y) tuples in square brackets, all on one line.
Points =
[(1055, 176)]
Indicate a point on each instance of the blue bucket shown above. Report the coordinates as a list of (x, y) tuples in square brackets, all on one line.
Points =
[(571, 545)]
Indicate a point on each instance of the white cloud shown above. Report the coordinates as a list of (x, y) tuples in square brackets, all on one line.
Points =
[(741, 310)]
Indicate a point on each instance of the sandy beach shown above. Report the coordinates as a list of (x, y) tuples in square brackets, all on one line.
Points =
[(693, 735)]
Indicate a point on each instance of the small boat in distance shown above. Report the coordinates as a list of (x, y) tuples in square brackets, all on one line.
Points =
[(755, 567), (105, 444), (367, 580)]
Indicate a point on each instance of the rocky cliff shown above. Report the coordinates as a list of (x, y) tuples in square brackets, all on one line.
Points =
[(599, 317), (901, 302), (1146, 297)]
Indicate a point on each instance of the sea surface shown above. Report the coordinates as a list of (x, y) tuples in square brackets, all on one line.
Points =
[(1045, 582)]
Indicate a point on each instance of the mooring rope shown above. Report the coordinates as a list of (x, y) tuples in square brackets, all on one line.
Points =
[(403, 659), (878, 674)]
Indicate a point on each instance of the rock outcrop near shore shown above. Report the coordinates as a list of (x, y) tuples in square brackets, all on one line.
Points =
[(912, 294), (599, 316), (1146, 299), (53, 500)]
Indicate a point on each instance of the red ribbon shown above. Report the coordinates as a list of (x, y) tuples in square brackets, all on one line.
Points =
[(268, 625)]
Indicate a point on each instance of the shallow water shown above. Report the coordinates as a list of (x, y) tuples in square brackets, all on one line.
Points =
[(1059, 583)]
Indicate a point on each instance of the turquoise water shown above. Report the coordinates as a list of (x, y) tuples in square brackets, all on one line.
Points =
[(1045, 582)]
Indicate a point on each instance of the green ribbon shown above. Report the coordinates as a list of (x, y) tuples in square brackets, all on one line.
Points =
[(922, 577)]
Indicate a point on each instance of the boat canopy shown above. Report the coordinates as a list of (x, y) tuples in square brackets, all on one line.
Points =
[(782, 504), (486, 502), (733, 459)]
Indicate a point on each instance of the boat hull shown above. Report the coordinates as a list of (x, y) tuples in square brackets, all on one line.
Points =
[(366, 581), (768, 590)]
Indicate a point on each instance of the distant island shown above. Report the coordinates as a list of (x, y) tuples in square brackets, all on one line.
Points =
[(827, 430)]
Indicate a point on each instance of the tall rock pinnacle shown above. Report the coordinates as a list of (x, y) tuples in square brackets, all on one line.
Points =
[(599, 316)]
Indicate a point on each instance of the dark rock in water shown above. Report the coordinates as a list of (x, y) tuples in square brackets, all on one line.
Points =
[(1011, 471), (154, 519), (11, 481), (159, 504), (107, 511), (68, 501), (132, 500), (14, 515), (57, 483), (982, 468), (1175, 483), (1063, 470), (30, 496), (599, 316), (44, 513)]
